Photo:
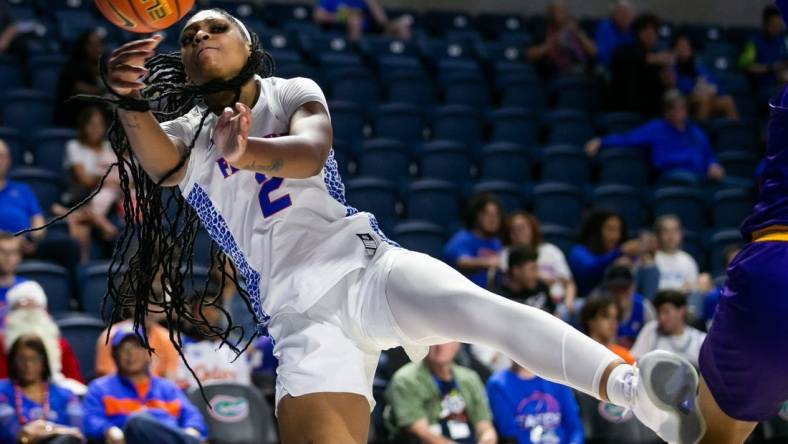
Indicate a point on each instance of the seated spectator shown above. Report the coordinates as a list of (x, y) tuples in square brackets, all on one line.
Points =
[(522, 229), (530, 410), (602, 242), (88, 157), (713, 289), (10, 256), (80, 75), (614, 32), (12, 39), (164, 360), (437, 398), (27, 304), (33, 407), (697, 82), (677, 269), (18, 205), (675, 142), (670, 331), (360, 16), (566, 47), (766, 57), (639, 70), (633, 310), (134, 406), (522, 283), (475, 251), (599, 320)]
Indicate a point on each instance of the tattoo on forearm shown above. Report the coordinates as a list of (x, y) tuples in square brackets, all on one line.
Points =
[(273, 167)]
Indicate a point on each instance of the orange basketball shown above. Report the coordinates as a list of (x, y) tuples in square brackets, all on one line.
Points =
[(144, 15)]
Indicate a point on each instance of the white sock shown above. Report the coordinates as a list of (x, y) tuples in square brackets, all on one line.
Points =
[(618, 385)]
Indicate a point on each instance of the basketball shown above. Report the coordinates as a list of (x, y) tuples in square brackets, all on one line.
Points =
[(144, 15)]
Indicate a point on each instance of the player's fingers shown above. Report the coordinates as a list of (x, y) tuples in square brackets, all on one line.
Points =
[(134, 57), (130, 69), (120, 83), (148, 43)]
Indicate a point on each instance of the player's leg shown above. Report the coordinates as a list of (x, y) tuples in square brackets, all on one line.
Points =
[(323, 418), (721, 428)]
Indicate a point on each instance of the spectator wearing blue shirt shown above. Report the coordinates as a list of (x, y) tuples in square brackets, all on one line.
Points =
[(634, 310), (32, 408), (532, 410), (476, 250), (10, 256), (602, 241), (766, 56), (358, 16), (614, 32), (697, 82), (675, 142), (18, 204)]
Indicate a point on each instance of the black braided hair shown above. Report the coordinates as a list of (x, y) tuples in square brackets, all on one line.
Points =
[(155, 246)]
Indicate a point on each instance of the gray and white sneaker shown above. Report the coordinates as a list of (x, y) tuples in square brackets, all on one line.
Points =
[(662, 392)]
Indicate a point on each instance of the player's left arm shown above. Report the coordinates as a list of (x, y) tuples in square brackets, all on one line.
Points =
[(299, 155)]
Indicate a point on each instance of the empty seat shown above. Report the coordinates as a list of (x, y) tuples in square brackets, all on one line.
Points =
[(411, 87), (717, 245), (46, 73), (734, 135), (558, 203), (739, 164), (12, 139), (509, 194), (515, 125), (55, 280), (445, 160), (686, 203), (72, 23), (27, 110), (577, 93), (10, 76), (566, 164), (278, 14), (376, 196), (562, 237), (524, 93), (386, 159), (457, 123), (82, 333), (469, 89), (92, 288), (492, 25), (355, 85), (432, 200), (347, 121), (623, 200), (506, 161), (235, 413), (730, 207), (424, 237), (46, 185), (623, 166), (443, 22), (400, 121), (618, 122), (49, 148), (567, 127)]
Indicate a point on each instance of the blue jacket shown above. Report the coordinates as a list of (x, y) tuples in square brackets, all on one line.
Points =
[(608, 37), (519, 405), (588, 268), (112, 399), (670, 149), (465, 244), (64, 409), (18, 204)]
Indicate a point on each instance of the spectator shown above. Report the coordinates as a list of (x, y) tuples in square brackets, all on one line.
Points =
[(359, 16), (436, 398), (602, 242), (475, 251), (134, 406), (633, 310), (713, 290), (522, 229), (766, 57), (530, 410), (88, 157), (80, 75), (10, 256), (164, 360), (670, 331), (677, 269), (616, 31), (18, 205), (697, 82), (675, 142), (28, 315), (522, 282), (638, 71), (599, 320), (566, 47), (34, 408)]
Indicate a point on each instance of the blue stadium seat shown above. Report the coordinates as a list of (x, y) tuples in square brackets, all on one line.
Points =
[(277, 14), (289, 71), (457, 123), (506, 161), (400, 121), (49, 148), (73, 22), (355, 85), (343, 157), (717, 244), (730, 207), (515, 125), (558, 204), (256, 425), (577, 93), (55, 280), (246, 11), (524, 93), (449, 57), (27, 110), (435, 201), (492, 25), (739, 164), (467, 89), (623, 166), (318, 45), (618, 122), (12, 138), (391, 56), (385, 159), (562, 237), (45, 69), (686, 203), (286, 57), (565, 164), (92, 288), (568, 127), (277, 40), (623, 200), (347, 120), (424, 237), (46, 185), (734, 135), (373, 195), (10, 76), (608, 423), (693, 245), (411, 87), (510, 194), (443, 22), (334, 65), (82, 333), (445, 160)]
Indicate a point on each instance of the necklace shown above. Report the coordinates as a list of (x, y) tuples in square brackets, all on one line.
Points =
[(18, 404)]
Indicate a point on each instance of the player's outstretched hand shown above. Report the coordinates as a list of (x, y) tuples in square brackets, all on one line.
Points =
[(126, 66), (592, 146), (231, 133)]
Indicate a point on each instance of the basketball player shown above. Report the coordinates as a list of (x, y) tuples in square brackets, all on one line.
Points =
[(744, 360), (330, 287)]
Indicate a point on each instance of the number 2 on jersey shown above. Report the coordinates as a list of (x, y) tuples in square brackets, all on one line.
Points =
[(269, 185)]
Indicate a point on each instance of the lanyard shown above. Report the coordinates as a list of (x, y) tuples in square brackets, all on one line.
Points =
[(18, 404)]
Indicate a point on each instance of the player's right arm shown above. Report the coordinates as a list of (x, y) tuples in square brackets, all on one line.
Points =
[(157, 152)]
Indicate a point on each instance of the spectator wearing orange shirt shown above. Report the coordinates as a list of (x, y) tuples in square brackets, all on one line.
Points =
[(599, 318)]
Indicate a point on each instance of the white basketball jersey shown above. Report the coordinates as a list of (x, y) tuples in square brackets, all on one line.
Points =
[(291, 239)]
